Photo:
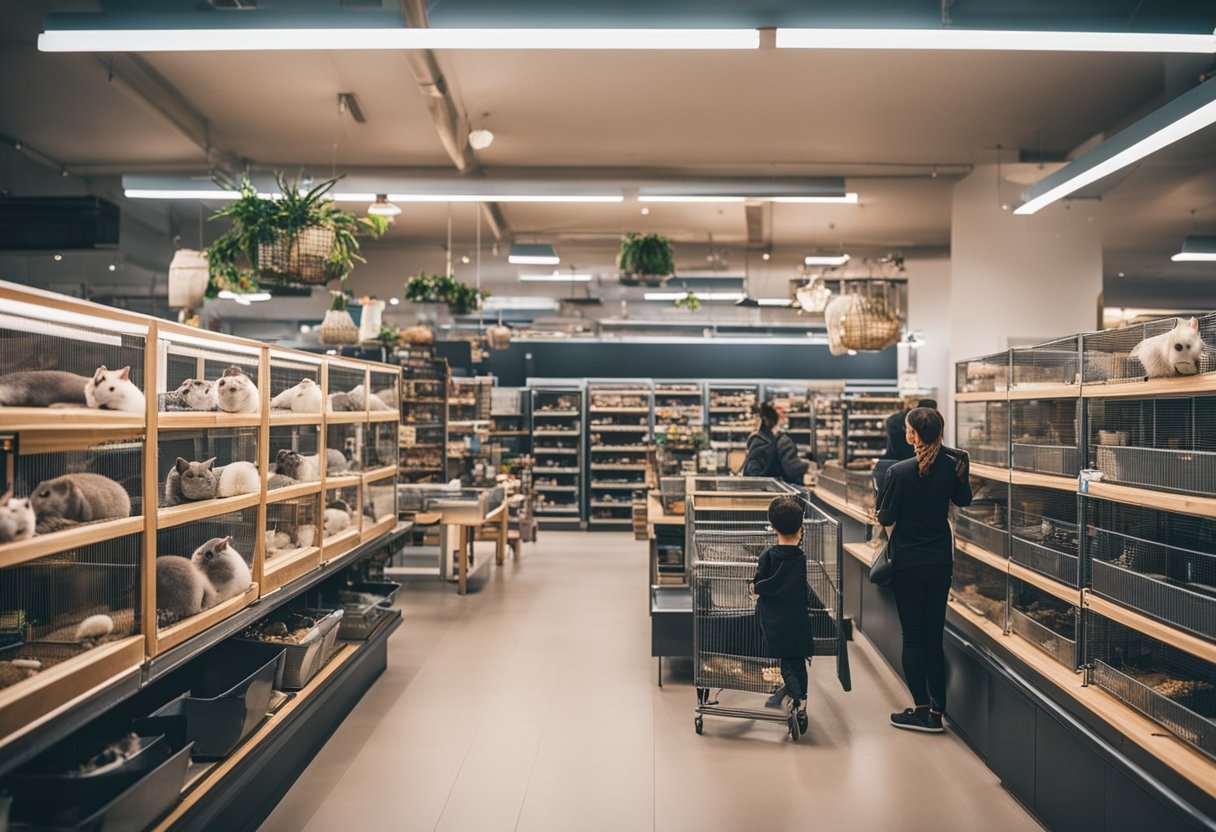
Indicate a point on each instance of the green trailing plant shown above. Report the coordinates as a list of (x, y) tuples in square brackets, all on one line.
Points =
[(689, 301), (339, 300), (461, 298), (646, 254), (258, 222), (388, 337)]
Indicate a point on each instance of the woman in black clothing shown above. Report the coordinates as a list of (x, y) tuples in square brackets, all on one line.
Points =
[(773, 454), (914, 506)]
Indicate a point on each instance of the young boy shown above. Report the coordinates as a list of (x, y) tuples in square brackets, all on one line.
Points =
[(782, 606)]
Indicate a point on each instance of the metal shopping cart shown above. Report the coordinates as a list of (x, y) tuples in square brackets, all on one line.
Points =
[(727, 537)]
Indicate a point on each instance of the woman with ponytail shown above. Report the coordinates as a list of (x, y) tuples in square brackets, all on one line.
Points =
[(914, 506)]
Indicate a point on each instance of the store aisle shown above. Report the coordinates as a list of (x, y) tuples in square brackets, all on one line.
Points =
[(533, 706)]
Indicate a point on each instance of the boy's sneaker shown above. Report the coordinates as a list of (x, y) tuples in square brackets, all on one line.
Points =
[(774, 701), (803, 720), (917, 719)]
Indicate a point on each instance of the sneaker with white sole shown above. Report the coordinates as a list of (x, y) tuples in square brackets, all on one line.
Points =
[(917, 719)]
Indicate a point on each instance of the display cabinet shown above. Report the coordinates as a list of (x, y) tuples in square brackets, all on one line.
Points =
[(863, 425), (557, 445), (469, 423), (422, 437), (985, 374), (732, 416), (679, 425), (618, 448)]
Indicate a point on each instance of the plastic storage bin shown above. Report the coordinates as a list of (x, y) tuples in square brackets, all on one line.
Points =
[(301, 660)]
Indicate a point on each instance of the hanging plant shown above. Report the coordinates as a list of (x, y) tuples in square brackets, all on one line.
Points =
[(461, 298), (689, 301), (338, 327), (645, 258), (298, 238)]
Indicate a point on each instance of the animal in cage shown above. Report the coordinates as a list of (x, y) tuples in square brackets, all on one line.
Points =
[(224, 568), (343, 402), (236, 393), (42, 388), (337, 518), (358, 394), (239, 478), (114, 390), (298, 466), (188, 481), (94, 628), (191, 394), (180, 589), (1173, 353), (17, 518), (305, 397), (78, 498)]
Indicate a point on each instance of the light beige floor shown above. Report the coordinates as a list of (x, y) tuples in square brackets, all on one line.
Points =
[(533, 706)]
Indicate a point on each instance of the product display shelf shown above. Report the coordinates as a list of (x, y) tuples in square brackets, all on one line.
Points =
[(732, 417), (679, 424), (469, 447), (560, 460), (795, 401), (619, 415), (423, 438), (863, 424)]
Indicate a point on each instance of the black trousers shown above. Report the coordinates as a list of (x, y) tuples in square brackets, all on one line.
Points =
[(920, 597), (794, 676)]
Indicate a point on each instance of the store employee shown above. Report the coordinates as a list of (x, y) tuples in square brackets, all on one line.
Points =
[(773, 454)]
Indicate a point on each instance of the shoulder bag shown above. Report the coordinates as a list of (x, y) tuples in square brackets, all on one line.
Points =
[(883, 566)]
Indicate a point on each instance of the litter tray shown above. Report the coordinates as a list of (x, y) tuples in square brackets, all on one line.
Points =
[(361, 614), (134, 809), (387, 589), (52, 779), (304, 660), (227, 693)]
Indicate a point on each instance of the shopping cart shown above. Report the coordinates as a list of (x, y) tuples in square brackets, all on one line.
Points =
[(727, 541)]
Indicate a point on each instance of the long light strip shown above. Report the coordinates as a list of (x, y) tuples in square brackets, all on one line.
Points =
[(826, 260), (783, 302), (217, 195), (556, 277), (1197, 248), (844, 199), (1188, 113), (990, 39), (262, 40), (710, 296)]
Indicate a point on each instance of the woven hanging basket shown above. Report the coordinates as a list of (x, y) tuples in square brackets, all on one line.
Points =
[(498, 337), (814, 296), (302, 257), (417, 335), (338, 329), (861, 318), (188, 275)]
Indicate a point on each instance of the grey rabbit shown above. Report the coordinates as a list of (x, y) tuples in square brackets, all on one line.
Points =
[(78, 498), (224, 569), (342, 402), (42, 388), (188, 481), (180, 589), (296, 465), (191, 394)]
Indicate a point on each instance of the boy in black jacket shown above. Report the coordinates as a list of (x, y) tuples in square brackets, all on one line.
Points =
[(783, 604)]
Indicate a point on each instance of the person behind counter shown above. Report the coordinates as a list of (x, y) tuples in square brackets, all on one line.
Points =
[(914, 507), (898, 446), (771, 453)]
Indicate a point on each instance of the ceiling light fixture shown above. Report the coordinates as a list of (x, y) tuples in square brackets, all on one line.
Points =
[(988, 39), (1188, 113), (1196, 248), (705, 296), (382, 207), (215, 194), (849, 198), (394, 301), (480, 139), (341, 39), (533, 254), (555, 277), (826, 260), (784, 302)]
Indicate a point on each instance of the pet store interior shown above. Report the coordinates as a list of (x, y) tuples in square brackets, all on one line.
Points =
[(481, 358)]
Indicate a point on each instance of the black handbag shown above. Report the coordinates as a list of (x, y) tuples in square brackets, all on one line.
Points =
[(883, 566)]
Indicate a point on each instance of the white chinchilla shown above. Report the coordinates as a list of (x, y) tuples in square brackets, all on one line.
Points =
[(236, 392), (114, 390), (17, 518), (305, 397), (239, 478), (224, 568), (1173, 353)]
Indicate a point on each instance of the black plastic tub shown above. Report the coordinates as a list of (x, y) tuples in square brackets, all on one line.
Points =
[(386, 589), (226, 694), (52, 779)]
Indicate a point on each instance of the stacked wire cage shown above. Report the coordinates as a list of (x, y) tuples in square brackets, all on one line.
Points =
[(233, 370), (1044, 435), (1156, 562), (980, 587), (1045, 620), (192, 464), (985, 523), (727, 541), (985, 374), (295, 385), (1043, 532), (982, 430), (1107, 356), (1052, 367), (1166, 443)]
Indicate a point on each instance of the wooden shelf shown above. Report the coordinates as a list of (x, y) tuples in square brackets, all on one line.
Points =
[(1194, 645), (83, 419), (840, 505), (376, 474), (339, 544), (596, 409), (1043, 480), (1174, 386), (189, 512), (989, 472), (864, 552), (374, 528), (1164, 500), (291, 492), (982, 555), (383, 416), (349, 417), (343, 481), (1066, 593), (213, 419), (1056, 391), (41, 545), (285, 567), (286, 417), (188, 628), (986, 396)]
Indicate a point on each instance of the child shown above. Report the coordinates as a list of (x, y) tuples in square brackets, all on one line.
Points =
[(782, 606)]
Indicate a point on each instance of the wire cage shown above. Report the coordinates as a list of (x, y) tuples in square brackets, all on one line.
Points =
[(982, 430), (225, 445), (44, 601), (346, 439), (1156, 562), (1043, 531), (1171, 687), (288, 371), (293, 455), (386, 386), (341, 511), (1166, 443), (985, 523), (834, 480), (1045, 436), (380, 499), (110, 473), (980, 588), (1107, 355), (1044, 620), (71, 343), (196, 358), (380, 445), (241, 527), (867, 314), (1048, 366), (344, 378), (292, 525), (985, 374)]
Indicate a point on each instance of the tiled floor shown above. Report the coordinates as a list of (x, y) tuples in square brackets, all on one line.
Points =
[(532, 705)]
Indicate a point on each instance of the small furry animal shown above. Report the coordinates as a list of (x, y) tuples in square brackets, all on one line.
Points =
[(224, 569), (181, 589), (277, 540), (236, 392), (280, 481), (305, 397), (191, 394), (342, 402), (94, 628), (42, 388), (337, 517), (17, 519), (114, 390), (188, 481), (298, 466), (336, 461), (1173, 353), (357, 396), (78, 498), (239, 478)]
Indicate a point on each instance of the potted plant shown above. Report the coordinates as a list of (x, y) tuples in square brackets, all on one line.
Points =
[(338, 327), (298, 238), (645, 258), (461, 298)]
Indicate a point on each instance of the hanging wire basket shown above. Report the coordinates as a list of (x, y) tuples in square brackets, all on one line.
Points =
[(302, 257), (864, 316), (338, 329)]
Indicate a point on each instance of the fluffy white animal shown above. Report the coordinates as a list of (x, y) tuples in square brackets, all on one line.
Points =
[(335, 520), (114, 390), (373, 401), (94, 627), (226, 572), (239, 478), (236, 392), (17, 518), (1173, 353), (305, 397)]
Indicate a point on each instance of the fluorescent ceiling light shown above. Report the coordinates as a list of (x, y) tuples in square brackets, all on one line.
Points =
[(383, 208), (204, 194), (1197, 248), (989, 39), (533, 254), (849, 198), (555, 277), (844, 199), (723, 296), (262, 40), (691, 198), (1188, 113), (774, 301), (826, 260)]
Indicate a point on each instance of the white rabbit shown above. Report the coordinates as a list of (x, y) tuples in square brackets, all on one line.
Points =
[(239, 478), (114, 390), (305, 397), (1173, 353), (236, 392)]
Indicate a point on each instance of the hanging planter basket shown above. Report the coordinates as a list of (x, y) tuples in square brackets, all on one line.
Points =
[(498, 337), (814, 296), (645, 260), (304, 257), (417, 335), (338, 329), (648, 280), (188, 275), (864, 317)]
